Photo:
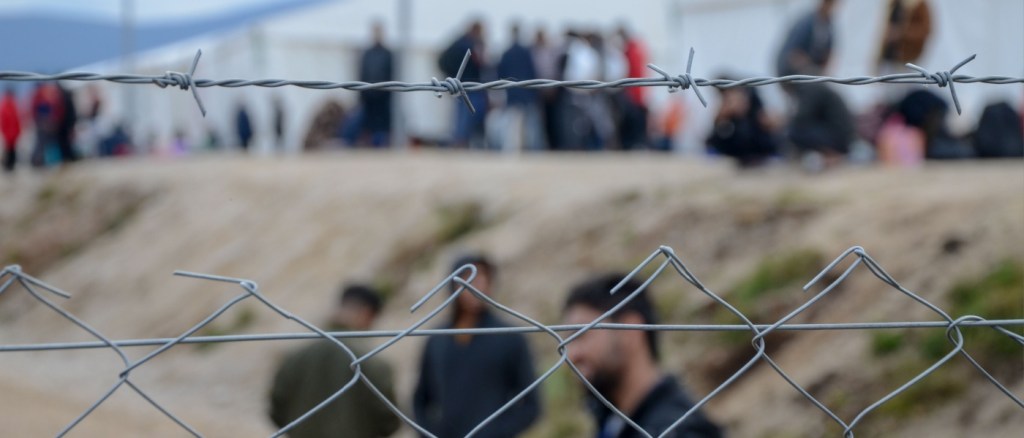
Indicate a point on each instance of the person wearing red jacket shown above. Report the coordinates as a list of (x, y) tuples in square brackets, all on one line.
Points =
[(633, 132), (10, 128)]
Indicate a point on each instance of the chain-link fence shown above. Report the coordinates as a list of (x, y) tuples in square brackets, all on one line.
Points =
[(662, 261)]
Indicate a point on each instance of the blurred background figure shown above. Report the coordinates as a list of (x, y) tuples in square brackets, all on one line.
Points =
[(243, 126), (926, 112), (906, 34), (468, 130), (521, 117), (90, 129), (117, 143), (47, 109), (546, 60), (897, 122), (633, 130), (66, 124), (279, 122), (622, 365), (742, 129), (315, 372), (10, 128), (373, 117), (179, 144), (580, 110), (668, 123), (327, 123), (602, 110), (464, 379), (821, 128), (1000, 132)]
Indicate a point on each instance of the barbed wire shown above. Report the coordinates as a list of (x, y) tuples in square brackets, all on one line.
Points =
[(664, 258), (457, 88)]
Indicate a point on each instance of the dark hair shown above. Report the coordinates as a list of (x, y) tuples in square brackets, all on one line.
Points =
[(482, 263), (361, 295), (595, 293)]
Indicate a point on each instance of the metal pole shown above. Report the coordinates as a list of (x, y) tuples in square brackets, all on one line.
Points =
[(128, 66)]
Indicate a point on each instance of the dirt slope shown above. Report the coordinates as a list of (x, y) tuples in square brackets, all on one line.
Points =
[(112, 233)]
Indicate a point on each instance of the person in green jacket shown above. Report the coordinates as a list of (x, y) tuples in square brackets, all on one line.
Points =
[(316, 371)]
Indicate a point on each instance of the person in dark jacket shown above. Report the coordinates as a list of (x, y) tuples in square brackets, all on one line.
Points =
[(243, 127), (377, 65), (310, 375), (469, 126), (66, 126), (742, 129), (464, 379), (1000, 132), (622, 365), (822, 124), (522, 128)]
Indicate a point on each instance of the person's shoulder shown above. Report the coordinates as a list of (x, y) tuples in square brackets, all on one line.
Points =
[(667, 396), (436, 341), (296, 357), (667, 403), (378, 365), (512, 342)]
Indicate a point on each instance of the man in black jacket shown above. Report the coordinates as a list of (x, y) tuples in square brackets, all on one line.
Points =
[(464, 379), (622, 365)]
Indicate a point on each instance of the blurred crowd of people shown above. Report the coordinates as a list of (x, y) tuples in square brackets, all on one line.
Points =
[(60, 130), (819, 130), (552, 118), (907, 127), (523, 119)]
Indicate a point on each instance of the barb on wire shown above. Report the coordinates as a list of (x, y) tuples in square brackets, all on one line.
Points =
[(184, 81), (683, 81), (944, 78), (457, 88), (454, 85)]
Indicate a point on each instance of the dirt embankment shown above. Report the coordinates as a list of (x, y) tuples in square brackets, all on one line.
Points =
[(112, 233)]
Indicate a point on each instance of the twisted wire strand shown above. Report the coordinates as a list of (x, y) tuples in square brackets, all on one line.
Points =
[(455, 87)]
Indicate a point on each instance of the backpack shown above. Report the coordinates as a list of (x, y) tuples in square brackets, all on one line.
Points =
[(451, 59), (999, 133)]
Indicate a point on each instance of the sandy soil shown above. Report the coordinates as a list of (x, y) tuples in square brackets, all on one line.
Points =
[(112, 233)]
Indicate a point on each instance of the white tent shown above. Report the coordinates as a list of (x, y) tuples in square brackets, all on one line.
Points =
[(322, 43)]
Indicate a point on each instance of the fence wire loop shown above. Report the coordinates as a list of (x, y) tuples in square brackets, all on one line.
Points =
[(461, 282), (944, 78)]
